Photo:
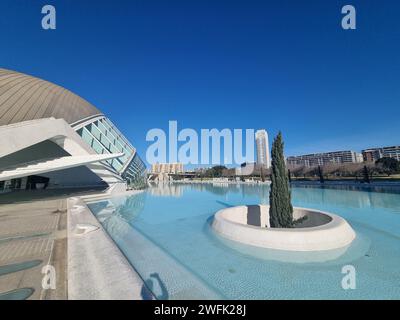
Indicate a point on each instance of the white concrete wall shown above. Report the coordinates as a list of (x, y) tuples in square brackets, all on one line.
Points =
[(25, 134), (38, 139), (328, 231), (41, 150), (73, 177)]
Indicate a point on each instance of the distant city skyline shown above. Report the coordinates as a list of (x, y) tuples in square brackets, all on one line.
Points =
[(284, 66)]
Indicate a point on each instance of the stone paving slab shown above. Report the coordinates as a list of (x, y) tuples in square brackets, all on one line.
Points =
[(34, 230), (12, 227), (12, 251)]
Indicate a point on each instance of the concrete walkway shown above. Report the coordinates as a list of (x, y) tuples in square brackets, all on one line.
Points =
[(96, 267), (37, 230), (31, 231)]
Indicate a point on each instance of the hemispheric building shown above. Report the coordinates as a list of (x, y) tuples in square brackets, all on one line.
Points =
[(52, 138)]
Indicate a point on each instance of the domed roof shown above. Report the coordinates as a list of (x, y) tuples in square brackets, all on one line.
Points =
[(24, 97)]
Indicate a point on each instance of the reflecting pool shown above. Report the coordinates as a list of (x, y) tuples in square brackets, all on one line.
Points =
[(165, 234)]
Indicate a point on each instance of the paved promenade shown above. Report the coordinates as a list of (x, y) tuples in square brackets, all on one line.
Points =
[(32, 235)]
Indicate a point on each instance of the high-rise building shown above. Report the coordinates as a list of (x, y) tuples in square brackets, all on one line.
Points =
[(320, 159), (52, 138), (373, 154), (391, 152), (262, 148)]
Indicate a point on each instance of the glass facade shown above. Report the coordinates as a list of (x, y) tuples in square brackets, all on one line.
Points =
[(134, 174), (103, 137)]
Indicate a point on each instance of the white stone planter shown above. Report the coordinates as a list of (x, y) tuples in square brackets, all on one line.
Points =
[(320, 231)]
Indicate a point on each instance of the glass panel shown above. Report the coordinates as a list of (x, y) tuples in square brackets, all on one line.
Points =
[(102, 128), (87, 137), (95, 131), (116, 165), (105, 141), (96, 146), (103, 121)]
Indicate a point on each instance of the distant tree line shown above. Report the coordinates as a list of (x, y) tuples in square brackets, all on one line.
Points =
[(215, 172), (382, 167), (220, 171), (358, 171)]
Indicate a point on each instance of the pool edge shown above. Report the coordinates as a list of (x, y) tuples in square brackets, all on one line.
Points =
[(97, 269)]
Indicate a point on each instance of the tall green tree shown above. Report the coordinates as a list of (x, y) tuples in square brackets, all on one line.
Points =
[(281, 209)]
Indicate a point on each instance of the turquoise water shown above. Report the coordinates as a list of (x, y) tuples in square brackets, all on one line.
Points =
[(165, 234)]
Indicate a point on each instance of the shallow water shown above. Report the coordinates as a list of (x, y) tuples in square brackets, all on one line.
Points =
[(165, 233)]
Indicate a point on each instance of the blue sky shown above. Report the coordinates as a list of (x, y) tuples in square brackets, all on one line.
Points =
[(279, 65)]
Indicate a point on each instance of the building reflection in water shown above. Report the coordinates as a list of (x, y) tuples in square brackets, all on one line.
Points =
[(222, 189), (116, 214), (167, 190), (128, 209), (353, 199), (306, 195)]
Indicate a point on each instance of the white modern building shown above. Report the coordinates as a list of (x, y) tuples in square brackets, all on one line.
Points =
[(52, 138), (246, 169), (262, 148), (321, 159), (374, 154)]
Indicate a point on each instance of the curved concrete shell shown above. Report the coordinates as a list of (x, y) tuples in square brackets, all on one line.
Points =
[(23, 97), (48, 133)]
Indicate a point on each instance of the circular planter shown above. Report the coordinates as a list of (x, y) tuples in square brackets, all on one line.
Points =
[(250, 225)]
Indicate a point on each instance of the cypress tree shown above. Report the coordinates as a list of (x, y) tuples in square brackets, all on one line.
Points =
[(281, 209)]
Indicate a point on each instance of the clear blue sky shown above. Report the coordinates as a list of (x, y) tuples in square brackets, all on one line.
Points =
[(279, 65)]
